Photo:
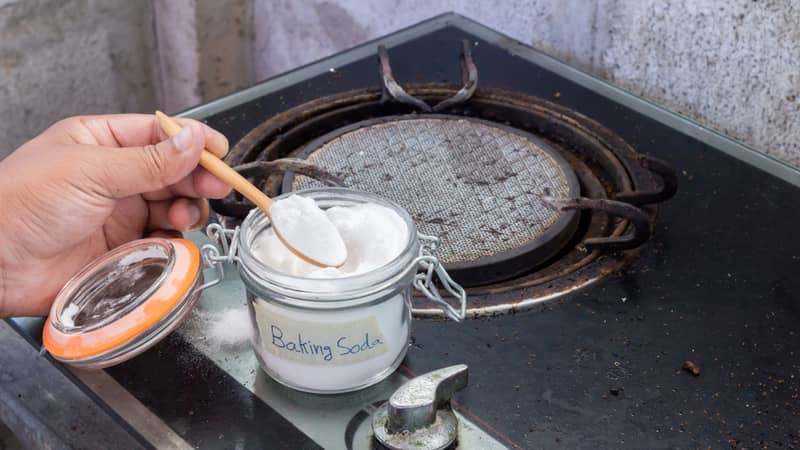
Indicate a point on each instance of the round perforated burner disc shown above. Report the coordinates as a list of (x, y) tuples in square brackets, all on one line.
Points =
[(475, 184)]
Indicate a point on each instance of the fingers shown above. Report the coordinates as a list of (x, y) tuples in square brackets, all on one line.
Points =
[(199, 183), (188, 214), (216, 142), (120, 172), (208, 185), (169, 234), (180, 214), (131, 130)]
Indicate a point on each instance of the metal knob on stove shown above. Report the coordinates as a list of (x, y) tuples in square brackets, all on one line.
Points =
[(418, 415)]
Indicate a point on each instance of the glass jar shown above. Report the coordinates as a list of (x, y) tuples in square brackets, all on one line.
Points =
[(124, 302), (341, 334), (315, 335)]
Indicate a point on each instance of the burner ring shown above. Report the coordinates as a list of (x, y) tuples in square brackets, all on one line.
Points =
[(607, 167), (475, 184)]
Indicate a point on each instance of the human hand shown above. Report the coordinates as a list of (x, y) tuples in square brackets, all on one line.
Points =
[(89, 184)]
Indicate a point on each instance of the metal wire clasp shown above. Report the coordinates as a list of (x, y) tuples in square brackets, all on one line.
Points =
[(213, 258), (425, 283)]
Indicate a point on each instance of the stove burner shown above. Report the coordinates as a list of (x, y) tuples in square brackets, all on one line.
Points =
[(475, 184), (611, 208)]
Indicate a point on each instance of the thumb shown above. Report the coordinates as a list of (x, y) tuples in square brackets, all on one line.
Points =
[(135, 170)]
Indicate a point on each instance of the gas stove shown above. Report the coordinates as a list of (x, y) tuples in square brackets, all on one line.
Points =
[(498, 175), (590, 285)]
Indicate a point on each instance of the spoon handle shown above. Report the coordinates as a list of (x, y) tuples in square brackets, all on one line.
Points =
[(232, 178), (218, 168)]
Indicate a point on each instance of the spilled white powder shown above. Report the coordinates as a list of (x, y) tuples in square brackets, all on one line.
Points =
[(221, 330), (373, 235), (231, 326), (308, 230)]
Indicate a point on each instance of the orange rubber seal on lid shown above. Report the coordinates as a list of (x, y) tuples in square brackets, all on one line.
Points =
[(172, 290)]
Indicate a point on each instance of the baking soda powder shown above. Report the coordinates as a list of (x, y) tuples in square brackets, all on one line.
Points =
[(331, 349), (308, 230)]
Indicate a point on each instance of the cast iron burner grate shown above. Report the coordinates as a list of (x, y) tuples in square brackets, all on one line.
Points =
[(533, 200), (477, 185)]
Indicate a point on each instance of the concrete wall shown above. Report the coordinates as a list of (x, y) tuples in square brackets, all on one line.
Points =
[(731, 65), (60, 58)]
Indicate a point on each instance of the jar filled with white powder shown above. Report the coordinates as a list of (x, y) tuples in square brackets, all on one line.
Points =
[(338, 329)]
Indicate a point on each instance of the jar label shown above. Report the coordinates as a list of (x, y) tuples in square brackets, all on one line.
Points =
[(331, 343)]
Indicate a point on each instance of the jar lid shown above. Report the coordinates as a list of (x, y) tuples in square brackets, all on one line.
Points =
[(123, 302)]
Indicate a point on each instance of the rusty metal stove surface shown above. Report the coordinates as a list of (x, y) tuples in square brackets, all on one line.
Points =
[(716, 283), (617, 185), (601, 369)]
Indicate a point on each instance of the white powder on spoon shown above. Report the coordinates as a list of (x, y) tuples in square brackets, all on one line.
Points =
[(306, 228), (372, 235)]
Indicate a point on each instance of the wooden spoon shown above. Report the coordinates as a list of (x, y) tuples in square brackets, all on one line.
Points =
[(232, 178)]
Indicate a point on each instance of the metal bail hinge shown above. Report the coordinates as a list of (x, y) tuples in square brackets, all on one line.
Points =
[(213, 258), (425, 283)]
